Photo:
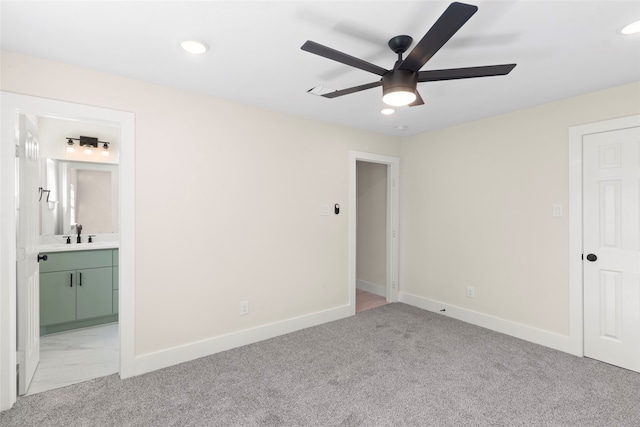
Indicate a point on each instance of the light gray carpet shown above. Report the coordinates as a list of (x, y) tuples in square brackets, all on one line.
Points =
[(391, 366)]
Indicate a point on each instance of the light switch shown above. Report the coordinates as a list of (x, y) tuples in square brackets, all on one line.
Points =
[(557, 211)]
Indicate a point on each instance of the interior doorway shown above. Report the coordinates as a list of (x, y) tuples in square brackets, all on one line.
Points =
[(78, 330), (373, 260), (13, 106), (371, 245), (605, 241)]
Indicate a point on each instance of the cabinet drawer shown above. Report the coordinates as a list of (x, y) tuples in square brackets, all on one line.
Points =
[(59, 261)]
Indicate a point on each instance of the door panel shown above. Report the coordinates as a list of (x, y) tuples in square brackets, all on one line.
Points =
[(611, 177), (28, 280), (94, 292), (57, 297)]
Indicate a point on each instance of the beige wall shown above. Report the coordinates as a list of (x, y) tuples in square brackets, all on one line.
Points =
[(228, 202), (372, 223), (476, 209)]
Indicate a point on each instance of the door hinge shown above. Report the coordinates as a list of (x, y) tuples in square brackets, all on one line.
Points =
[(394, 285), (17, 151), (393, 182), (20, 356)]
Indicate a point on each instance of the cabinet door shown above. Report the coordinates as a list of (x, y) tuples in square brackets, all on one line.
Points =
[(57, 297), (94, 292)]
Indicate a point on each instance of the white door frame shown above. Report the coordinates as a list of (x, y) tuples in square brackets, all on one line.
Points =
[(11, 106), (576, 310), (393, 221)]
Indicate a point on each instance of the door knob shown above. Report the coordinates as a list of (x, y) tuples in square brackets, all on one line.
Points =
[(592, 257), (42, 257)]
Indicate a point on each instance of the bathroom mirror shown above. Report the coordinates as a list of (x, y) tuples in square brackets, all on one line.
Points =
[(78, 193)]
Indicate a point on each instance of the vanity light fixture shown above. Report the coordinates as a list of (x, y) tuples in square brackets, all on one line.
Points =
[(87, 142)]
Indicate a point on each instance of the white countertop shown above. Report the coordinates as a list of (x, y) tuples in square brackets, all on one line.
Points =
[(63, 247)]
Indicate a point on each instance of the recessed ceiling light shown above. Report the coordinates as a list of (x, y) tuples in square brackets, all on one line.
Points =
[(632, 28), (387, 111), (402, 127), (194, 46)]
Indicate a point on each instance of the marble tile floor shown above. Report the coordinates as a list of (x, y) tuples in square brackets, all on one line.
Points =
[(72, 357)]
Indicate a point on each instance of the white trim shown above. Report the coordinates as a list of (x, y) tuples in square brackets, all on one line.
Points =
[(393, 222), (518, 330), (12, 105), (173, 356), (374, 288), (576, 134)]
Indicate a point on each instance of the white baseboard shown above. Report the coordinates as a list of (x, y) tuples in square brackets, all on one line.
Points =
[(173, 356), (528, 333), (371, 287)]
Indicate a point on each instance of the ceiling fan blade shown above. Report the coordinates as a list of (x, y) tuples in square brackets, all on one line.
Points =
[(418, 100), (353, 89), (338, 56), (465, 73), (445, 27)]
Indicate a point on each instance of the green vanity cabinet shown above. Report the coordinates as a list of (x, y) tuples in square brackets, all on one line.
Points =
[(116, 278), (76, 290)]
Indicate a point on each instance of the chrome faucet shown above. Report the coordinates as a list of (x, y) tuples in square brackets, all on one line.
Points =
[(79, 230)]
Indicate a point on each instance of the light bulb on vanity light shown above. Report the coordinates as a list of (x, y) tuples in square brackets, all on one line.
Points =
[(88, 151), (70, 148), (105, 150)]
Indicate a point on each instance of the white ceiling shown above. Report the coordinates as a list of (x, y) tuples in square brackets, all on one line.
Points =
[(562, 48)]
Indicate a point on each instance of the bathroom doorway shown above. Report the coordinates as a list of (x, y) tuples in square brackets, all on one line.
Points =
[(11, 355), (78, 216)]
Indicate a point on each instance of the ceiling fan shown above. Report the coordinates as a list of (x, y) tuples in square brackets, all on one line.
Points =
[(399, 85)]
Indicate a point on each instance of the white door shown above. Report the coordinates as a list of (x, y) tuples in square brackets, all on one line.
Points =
[(611, 203), (28, 274)]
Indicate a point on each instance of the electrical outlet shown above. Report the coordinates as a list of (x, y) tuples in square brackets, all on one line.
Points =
[(244, 308), (471, 292)]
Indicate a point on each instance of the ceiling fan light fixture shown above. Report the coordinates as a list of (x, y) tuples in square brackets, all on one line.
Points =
[(399, 87), (633, 28), (195, 47), (399, 98)]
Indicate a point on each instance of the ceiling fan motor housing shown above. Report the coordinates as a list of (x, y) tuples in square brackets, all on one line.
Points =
[(399, 80)]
